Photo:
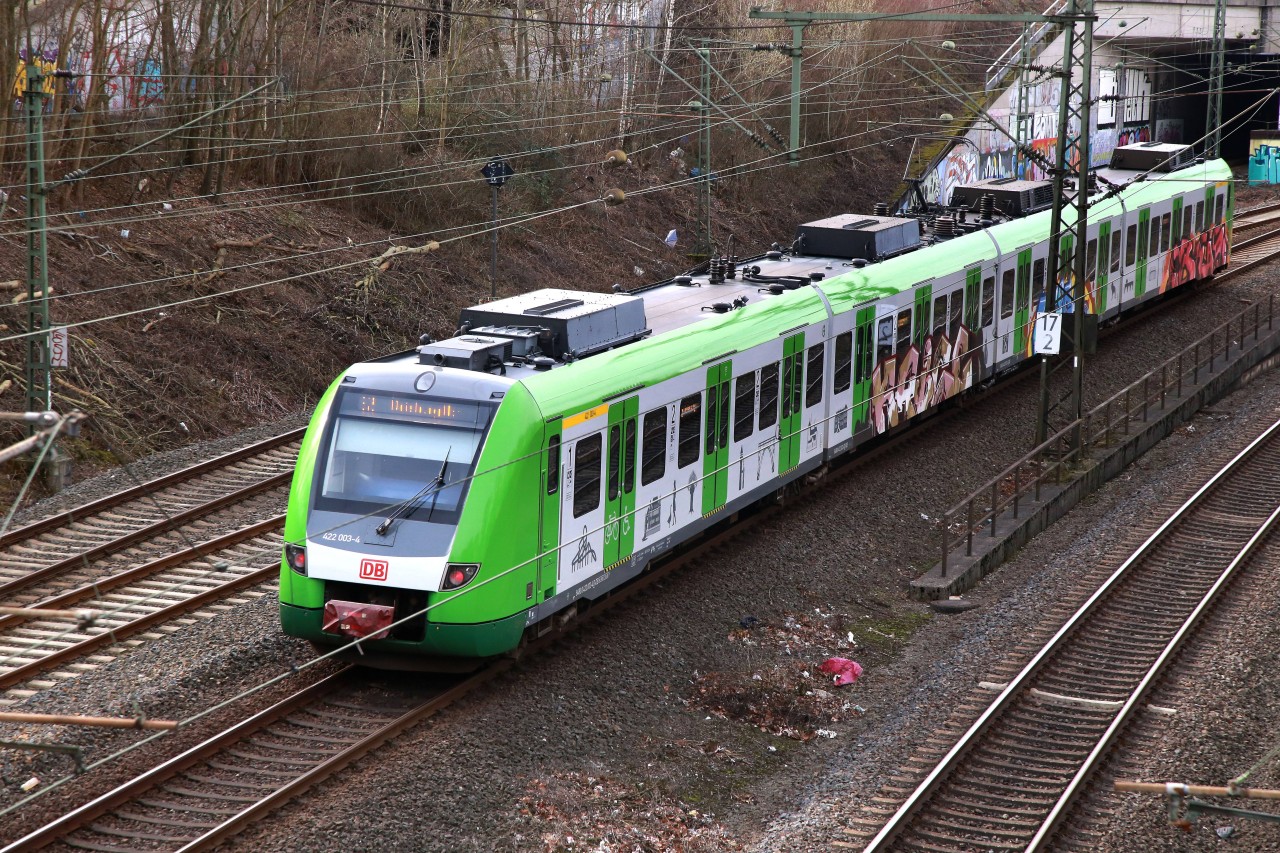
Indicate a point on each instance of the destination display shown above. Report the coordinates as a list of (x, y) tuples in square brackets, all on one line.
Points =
[(399, 407)]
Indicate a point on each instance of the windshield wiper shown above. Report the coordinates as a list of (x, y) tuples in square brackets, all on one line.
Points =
[(432, 488)]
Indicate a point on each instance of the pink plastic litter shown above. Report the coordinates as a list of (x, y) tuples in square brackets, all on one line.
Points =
[(842, 670)]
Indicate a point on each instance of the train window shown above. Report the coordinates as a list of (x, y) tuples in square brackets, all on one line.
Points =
[(1199, 217), (904, 330), (1091, 261), (1186, 221), (769, 396), (1037, 281), (1153, 245), (653, 456), (724, 414), (813, 388), (884, 339), (844, 362), (615, 460), (629, 458), (1166, 230), (553, 465), (1218, 208), (988, 300), (710, 432), (744, 407), (1115, 251), (1131, 246), (1006, 295), (939, 314), (586, 480), (690, 423), (957, 312)]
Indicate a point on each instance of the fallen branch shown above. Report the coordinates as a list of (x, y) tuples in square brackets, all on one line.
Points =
[(241, 244), (382, 263), (79, 720)]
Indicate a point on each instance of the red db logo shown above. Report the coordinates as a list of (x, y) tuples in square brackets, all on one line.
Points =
[(374, 570)]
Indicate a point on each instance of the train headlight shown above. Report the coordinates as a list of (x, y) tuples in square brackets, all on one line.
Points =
[(296, 557), (459, 575)]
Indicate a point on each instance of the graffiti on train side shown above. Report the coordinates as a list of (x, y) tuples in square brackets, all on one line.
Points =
[(1198, 256), (904, 385)]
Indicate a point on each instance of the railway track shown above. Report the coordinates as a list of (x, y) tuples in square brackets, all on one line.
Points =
[(152, 596), (247, 771), (1257, 217), (1010, 780), (140, 557), (215, 790)]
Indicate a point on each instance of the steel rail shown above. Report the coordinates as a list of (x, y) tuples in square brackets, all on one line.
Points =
[(94, 588), (1270, 242), (114, 635), (141, 534), (60, 519), (1242, 218), (118, 796), (1095, 757), (1018, 684)]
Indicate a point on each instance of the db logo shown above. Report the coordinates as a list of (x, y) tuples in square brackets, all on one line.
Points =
[(374, 570)]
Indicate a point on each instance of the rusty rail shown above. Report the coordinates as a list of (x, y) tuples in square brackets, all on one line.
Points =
[(1054, 460)]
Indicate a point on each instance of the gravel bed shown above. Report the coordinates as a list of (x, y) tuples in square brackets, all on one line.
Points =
[(644, 731)]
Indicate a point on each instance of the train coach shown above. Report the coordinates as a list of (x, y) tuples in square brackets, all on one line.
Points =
[(452, 500)]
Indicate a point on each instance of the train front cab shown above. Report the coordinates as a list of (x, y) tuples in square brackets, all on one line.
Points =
[(452, 574)]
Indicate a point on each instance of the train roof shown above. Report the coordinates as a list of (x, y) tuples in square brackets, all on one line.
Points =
[(692, 322)]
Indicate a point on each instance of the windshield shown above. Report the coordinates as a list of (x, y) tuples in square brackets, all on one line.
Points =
[(384, 449)]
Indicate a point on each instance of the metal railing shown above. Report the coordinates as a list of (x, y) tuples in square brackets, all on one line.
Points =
[(1063, 453), (1033, 36)]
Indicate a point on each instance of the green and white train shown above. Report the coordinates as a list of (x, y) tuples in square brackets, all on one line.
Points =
[(449, 501)]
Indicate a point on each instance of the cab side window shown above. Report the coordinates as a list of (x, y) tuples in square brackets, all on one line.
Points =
[(813, 387), (690, 426), (744, 406), (586, 479), (653, 454), (769, 396)]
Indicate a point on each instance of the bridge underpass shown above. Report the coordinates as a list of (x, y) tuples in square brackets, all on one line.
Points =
[(1151, 68)]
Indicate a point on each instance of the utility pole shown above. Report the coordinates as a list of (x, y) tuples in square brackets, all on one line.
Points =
[(1217, 68), (39, 361), (1023, 125), (1066, 234), (705, 242), (39, 337)]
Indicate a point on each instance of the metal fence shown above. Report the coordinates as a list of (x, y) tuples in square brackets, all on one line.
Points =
[(1063, 453)]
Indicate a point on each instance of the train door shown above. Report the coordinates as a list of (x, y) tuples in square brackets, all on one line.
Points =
[(1115, 275), (620, 481), (1022, 302), (1104, 266), (987, 319), (715, 460), (792, 395), (1006, 320), (1144, 235), (550, 516), (582, 510), (972, 308), (864, 355)]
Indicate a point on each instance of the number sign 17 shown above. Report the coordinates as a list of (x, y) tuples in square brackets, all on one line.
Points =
[(1048, 334)]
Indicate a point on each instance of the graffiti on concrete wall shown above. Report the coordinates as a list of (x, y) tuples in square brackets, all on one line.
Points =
[(1122, 119)]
